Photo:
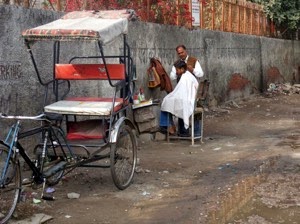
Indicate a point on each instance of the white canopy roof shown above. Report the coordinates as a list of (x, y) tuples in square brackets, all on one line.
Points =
[(84, 25)]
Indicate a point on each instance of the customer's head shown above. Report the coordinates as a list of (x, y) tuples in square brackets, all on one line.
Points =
[(181, 67), (181, 51)]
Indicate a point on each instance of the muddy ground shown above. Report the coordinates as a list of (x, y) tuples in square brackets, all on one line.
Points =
[(246, 171)]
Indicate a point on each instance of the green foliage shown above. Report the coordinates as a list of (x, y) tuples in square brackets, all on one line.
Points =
[(284, 13)]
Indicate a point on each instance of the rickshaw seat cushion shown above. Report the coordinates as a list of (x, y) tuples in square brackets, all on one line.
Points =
[(85, 106), (89, 71)]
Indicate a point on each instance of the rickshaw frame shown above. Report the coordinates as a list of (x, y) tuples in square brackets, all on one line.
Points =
[(118, 135)]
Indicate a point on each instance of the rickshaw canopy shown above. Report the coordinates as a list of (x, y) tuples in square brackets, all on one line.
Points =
[(103, 26)]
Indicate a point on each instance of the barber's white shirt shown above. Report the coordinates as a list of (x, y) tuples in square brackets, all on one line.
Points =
[(198, 72)]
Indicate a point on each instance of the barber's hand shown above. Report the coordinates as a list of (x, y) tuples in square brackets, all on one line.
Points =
[(190, 68)]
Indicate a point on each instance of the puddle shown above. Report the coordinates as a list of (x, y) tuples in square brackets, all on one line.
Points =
[(269, 197), (231, 202), (257, 212)]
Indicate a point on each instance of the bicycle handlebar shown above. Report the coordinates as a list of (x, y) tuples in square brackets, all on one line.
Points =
[(40, 117)]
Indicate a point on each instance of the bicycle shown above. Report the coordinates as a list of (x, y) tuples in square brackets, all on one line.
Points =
[(55, 158), (47, 167)]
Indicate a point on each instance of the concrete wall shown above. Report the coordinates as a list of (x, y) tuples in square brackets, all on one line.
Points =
[(221, 55), (283, 55), (19, 89)]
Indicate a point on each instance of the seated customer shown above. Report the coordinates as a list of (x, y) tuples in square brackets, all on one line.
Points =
[(180, 102)]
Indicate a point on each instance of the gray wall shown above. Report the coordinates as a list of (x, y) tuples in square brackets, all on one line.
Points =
[(19, 89), (220, 54)]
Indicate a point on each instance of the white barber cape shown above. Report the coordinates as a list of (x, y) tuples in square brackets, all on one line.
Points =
[(181, 100)]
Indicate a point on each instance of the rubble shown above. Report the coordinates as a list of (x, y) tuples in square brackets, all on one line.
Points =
[(284, 88)]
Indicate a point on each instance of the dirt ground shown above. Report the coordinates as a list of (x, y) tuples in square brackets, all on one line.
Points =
[(246, 171)]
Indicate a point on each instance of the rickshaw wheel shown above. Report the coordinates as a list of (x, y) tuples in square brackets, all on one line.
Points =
[(123, 156)]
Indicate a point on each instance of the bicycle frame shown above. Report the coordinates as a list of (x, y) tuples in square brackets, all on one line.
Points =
[(12, 141), (11, 135)]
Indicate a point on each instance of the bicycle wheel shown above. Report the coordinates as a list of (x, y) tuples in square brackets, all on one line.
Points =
[(10, 185), (123, 156)]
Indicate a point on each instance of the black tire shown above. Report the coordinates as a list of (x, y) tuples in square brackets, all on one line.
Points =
[(123, 156), (10, 185)]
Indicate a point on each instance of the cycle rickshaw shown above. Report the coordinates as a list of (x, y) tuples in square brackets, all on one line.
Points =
[(76, 130)]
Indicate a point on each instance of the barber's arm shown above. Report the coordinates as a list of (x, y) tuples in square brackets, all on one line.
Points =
[(173, 75), (198, 72), (190, 68)]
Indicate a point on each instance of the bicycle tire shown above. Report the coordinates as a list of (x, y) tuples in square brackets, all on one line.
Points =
[(10, 185), (123, 157)]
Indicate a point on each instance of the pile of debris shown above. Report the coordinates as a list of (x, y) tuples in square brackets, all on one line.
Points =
[(284, 88)]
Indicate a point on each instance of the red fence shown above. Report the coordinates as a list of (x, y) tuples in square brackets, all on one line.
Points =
[(237, 16)]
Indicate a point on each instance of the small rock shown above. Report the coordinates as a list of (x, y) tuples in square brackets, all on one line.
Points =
[(145, 193), (165, 184), (73, 195)]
